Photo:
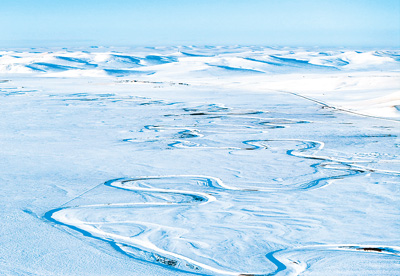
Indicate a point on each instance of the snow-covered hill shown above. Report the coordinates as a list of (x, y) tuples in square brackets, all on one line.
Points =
[(362, 81)]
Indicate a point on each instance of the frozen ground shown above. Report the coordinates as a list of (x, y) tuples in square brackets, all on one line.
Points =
[(199, 160)]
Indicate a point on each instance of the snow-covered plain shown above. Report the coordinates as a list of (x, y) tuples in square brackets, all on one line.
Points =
[(199, 160)]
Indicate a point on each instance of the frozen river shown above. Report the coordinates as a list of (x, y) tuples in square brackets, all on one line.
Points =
[(199, 160)]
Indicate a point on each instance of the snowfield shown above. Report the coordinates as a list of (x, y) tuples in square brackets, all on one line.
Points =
[(199, 161)]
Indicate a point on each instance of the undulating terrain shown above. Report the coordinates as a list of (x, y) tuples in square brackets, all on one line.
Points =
[(199, 160)]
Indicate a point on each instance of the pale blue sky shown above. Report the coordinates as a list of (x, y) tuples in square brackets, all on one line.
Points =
[(203, 22)]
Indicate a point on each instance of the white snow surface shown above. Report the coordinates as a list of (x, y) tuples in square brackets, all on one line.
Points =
[(199, 161)]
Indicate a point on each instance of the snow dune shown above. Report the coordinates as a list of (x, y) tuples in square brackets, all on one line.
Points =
[(265, 60)]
